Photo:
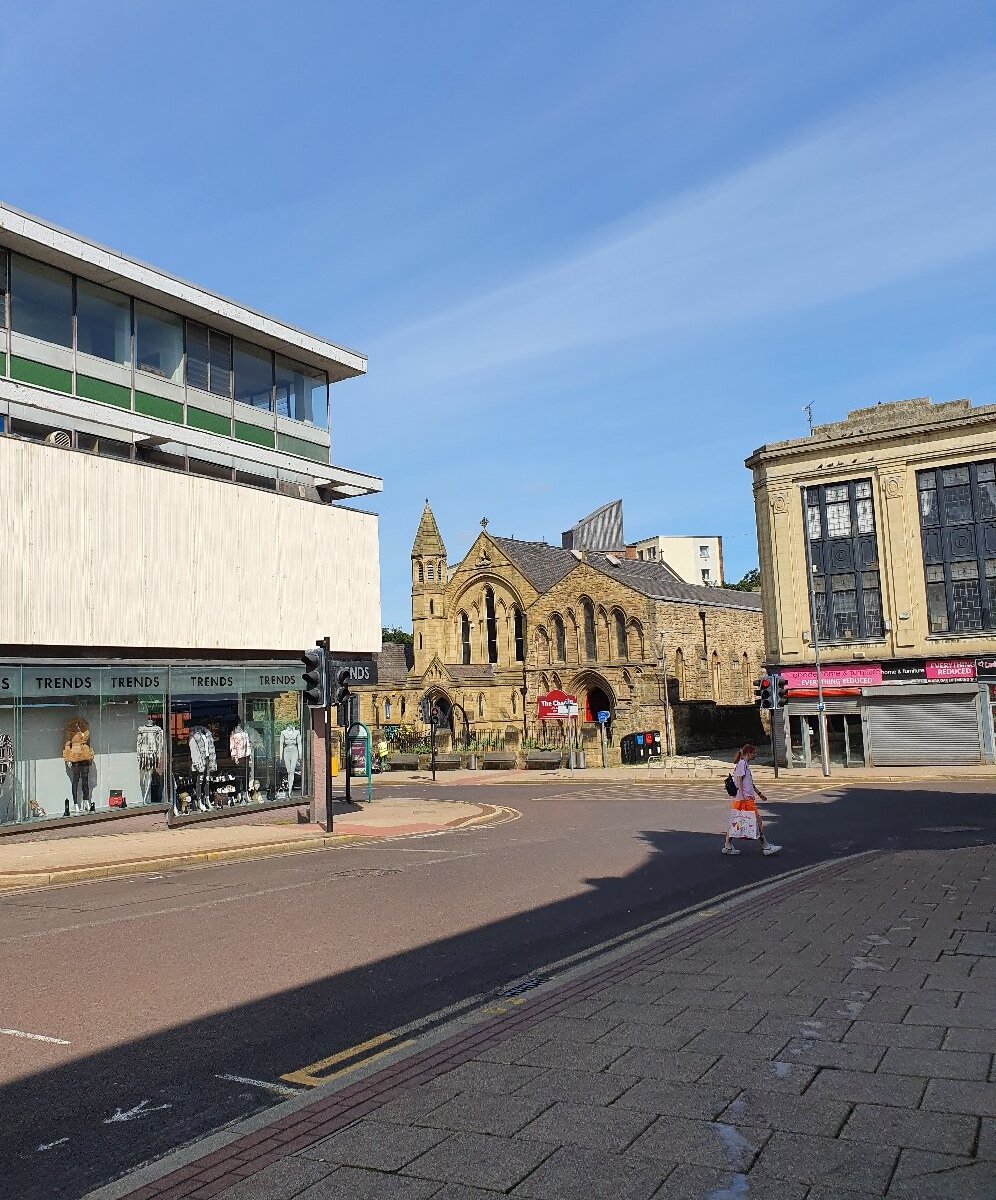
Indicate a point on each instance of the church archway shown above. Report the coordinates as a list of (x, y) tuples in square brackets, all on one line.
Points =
[(594, 696)]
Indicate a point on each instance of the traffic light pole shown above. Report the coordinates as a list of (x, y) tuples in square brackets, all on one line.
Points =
[(327, 647)]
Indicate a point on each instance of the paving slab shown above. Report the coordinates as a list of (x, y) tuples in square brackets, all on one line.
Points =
[(707, 1143), (794, 1114), (961, 1096), (939, 1064), (574, 1173), (349, 1183), (495, 1164), (816, 1160), (689, 1181), (377, 1145), (597, 1128), (918, 1130), (927, 1176)]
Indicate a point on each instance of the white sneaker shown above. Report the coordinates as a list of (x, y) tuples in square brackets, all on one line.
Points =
[(770, 848), (730, 850)]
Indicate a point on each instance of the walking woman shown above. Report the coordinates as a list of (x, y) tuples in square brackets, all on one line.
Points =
[(745, 820)]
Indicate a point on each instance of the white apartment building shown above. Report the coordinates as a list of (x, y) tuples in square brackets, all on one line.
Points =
[(693, 559)]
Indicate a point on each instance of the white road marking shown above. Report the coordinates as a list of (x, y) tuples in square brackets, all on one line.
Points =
[(133, 1114), (281, 1089), (35, 1037), (52, 1145)]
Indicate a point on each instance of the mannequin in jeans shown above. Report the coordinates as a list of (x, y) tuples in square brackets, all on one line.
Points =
[(290, 752), (78, 755)]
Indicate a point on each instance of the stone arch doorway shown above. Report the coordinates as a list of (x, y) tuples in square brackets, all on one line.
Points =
[(437, 698), (594, 696)]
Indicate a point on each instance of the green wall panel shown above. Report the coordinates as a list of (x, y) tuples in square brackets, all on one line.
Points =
[(159, 406), (254, 433), (103, 392), (293, 445), (41, 374), (3, 364), (199, 418)]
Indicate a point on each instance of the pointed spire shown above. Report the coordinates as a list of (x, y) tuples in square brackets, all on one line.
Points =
[(428, 539)]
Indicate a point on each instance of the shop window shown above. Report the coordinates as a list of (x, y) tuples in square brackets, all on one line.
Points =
[(253, 369), (41, 301), (958, 534), (158, 342), (103, 323), (209, 360), (79, 740), (846, 587), (301, 393)]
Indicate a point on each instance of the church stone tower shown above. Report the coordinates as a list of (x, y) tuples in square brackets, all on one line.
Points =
[(428, 592)]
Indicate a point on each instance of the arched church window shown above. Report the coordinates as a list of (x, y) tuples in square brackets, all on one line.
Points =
[(480, 705), (588, 616), (420, 641), (519, 634), (432, 608), (401, 706), (421, 573), (432, 573), (515, 704), (679, 671), (559, 638), (491, 625), (465, 639), (620, 624)]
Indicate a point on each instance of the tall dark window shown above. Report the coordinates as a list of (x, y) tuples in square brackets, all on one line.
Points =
[(41, 301), (209, 360), (588, 616), (491, 625), (519, 634), (559, 638), (847, 592), (465, 639), (958, 530), (622, 650)]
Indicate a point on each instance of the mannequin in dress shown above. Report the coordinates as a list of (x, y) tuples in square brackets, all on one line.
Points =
[(78, 755), (149, 749), (290, 752), (240, 748), (203, 761)]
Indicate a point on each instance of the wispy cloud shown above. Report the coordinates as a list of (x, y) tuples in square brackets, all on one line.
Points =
[(882, 193)]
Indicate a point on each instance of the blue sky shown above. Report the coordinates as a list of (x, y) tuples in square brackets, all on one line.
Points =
[(592, 250)]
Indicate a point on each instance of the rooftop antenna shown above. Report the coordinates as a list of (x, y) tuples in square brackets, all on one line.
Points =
[(808, 410)]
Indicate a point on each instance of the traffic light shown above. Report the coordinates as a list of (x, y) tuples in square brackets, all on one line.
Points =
[(781, 692), (342, 697), (315, 677), (766, 698), (757, 691)]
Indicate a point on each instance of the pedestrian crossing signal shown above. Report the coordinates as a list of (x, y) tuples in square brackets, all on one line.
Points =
[(766, 692)]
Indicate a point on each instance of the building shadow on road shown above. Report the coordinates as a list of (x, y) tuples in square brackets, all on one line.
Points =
[(176, 1071)]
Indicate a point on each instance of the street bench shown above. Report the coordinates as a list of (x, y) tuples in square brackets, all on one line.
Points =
[(497, 760), (544, 759), (402, 762), (447, 762)]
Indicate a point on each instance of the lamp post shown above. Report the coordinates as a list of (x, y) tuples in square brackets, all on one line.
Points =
[(821, 708), (662, 681), (524, 689)]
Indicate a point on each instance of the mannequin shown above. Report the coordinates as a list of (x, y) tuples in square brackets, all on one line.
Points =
[(78, 755), (6, 757), (240, 748), (290, 752), (203, 761), (149, 749)]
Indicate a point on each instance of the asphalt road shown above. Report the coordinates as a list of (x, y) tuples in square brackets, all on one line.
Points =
[(173, 1004)]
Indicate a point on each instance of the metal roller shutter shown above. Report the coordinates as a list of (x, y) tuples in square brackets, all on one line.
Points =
[(923, 732)]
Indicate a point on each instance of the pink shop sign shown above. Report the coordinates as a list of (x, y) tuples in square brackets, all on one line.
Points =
[(833, 677), (954, 669)]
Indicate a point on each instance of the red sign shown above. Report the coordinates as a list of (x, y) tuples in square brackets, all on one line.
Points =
[(833, 677), (951, 669), (556, 706)]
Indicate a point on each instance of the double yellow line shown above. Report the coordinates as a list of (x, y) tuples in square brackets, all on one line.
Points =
[(352, 1059)]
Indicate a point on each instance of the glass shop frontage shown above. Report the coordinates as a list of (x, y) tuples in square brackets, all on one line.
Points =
[(81, 741)]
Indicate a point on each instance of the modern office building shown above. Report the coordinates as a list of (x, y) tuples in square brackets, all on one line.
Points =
[(877, 540), (174, 537), (693, 559)]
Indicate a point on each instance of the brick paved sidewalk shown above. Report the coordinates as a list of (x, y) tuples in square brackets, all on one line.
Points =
[(834, 1041)]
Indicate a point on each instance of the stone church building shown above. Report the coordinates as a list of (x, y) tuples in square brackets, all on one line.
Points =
[(516, 619)]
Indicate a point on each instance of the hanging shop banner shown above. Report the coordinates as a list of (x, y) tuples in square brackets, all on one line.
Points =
[(283, 677), (804, 678), (206, 681), (985, 668), (556, 706), (951, 670)]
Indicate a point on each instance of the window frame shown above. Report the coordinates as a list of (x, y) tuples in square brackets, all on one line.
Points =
[(824, 571), (942, 552)]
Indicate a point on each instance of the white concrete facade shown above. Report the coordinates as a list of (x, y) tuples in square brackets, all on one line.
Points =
[(694, 559)]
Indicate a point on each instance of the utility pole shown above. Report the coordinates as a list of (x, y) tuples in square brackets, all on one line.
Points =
[(815, 636), (662, 668)]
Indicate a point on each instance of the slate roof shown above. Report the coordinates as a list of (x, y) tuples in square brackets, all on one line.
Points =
[(470, 673), (394, 662), (544, 566)]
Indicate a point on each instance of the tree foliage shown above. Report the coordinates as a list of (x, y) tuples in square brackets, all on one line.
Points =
[(391, 633), (751, 582)]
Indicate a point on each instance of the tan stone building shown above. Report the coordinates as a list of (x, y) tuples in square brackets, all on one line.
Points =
[(516, 619), (892, 515)]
